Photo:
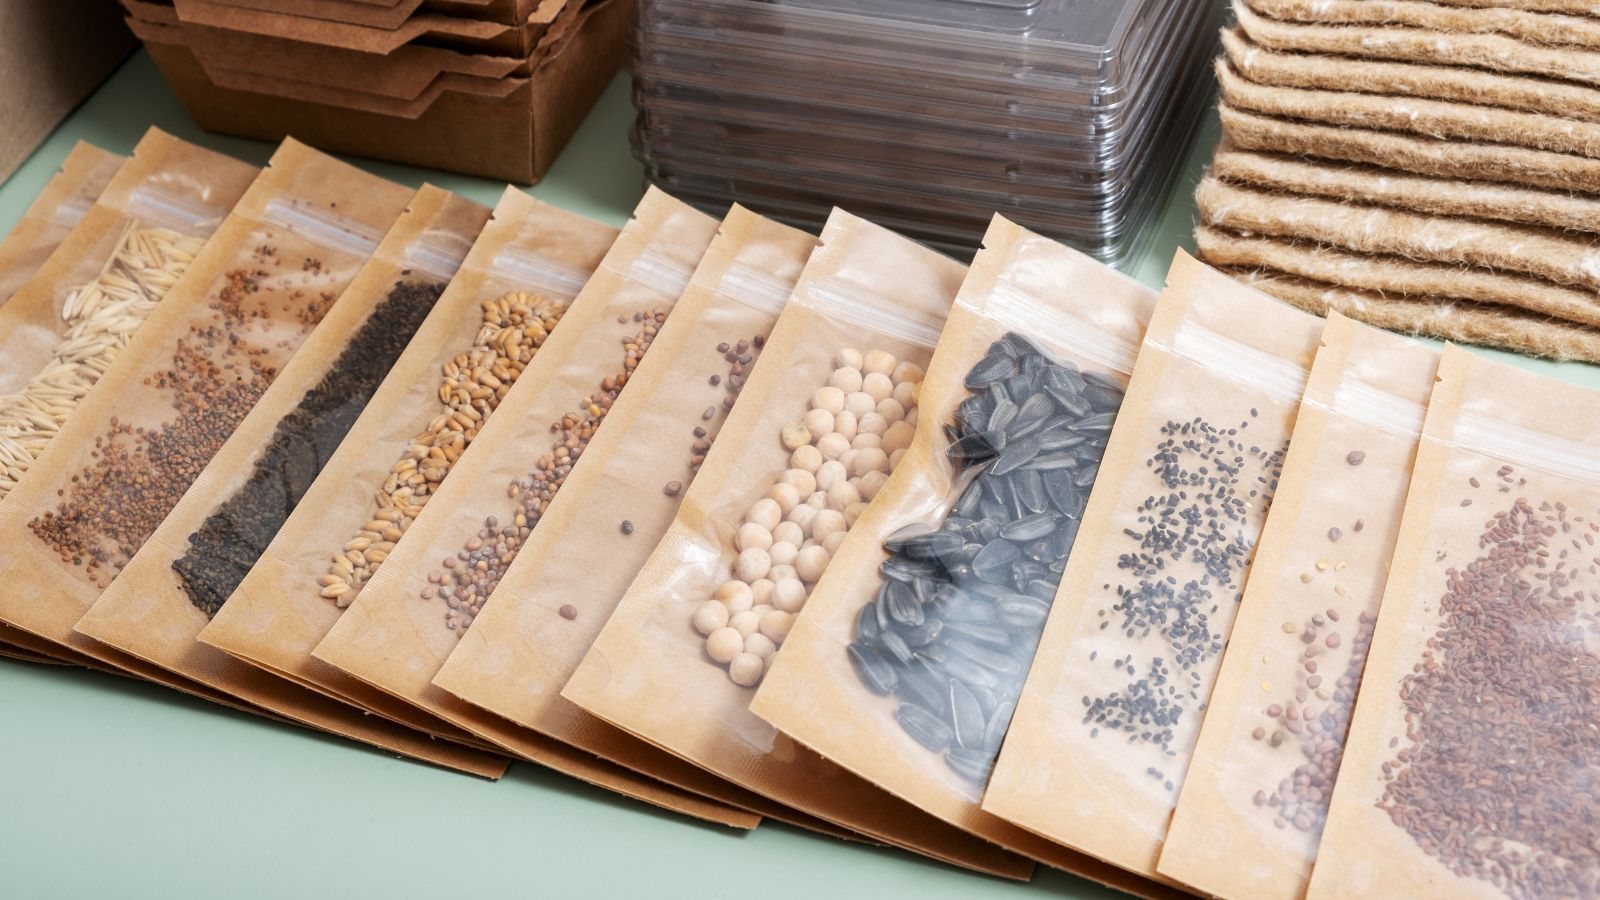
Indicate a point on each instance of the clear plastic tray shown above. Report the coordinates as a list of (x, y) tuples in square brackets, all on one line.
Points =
[(979, 116), (1066, 41), (765, 102), (1110, 231), (756, 29), (879, 155), (730, 57)]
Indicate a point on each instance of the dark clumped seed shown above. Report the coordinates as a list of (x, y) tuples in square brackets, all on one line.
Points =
[(952, 629), (1356, 457), (672, 488), (255, 319), (466, 587), (627, 527), (224, 548), (1496, 778), (1188, 552)]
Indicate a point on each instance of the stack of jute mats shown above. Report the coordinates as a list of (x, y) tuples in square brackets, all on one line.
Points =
[(1432, 167)]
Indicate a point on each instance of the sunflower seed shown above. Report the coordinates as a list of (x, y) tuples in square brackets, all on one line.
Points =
[(873, 670), (924, 727), (973, 765), (966, 716)]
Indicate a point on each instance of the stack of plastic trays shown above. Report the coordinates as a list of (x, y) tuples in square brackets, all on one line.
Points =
[(1072, 117)]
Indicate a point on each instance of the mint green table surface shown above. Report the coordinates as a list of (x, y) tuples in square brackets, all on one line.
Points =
[(115, 788)]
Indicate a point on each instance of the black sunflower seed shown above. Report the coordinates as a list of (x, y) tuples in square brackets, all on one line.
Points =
[(873, 669), (973, 765), (992, 368), (994, 561), (961, 607), (1030, 528), (924, 727), (1015, 456), (966, 716)]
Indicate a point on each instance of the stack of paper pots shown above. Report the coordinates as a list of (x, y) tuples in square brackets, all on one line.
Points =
[(929, 116), (1432, 167), (484, 87)]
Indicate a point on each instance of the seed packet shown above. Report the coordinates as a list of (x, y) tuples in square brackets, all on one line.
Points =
[(411, 612), (188, 566), (1252, 806), (82, 307), (908, 659), (1469, 768), (522, 271), (676, 662), (172, 398), (62, 204), (571, 572), (511, 291), (1111, 708)]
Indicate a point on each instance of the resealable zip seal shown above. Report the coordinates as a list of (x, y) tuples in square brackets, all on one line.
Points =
[(1478, 433), (538, 272), (437, 253), (871, 312), (71, 211), (659, 272), (754, 289), (1236, 361), (327, 230), (154, 206), (1376, 407), (1019, 311)]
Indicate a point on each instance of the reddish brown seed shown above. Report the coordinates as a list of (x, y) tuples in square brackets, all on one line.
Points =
[(568, 611), (673, 488), (1356, 457)]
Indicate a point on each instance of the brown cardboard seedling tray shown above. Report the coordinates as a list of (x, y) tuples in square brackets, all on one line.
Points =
[(394, 15), (404, 73), (1482, 324), (1398, 190), (470, 35), (515, 136)]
